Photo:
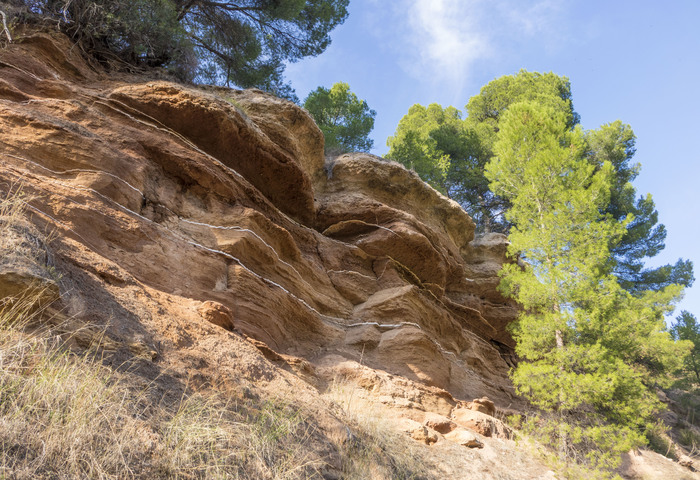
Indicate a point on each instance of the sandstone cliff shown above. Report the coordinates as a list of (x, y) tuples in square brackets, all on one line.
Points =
[(205, 233)]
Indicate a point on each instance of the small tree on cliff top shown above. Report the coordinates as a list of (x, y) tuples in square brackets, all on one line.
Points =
[(587, 345), (448, 154), (344, 119)]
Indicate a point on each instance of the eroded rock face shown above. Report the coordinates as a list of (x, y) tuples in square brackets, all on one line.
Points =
[(193, 219)]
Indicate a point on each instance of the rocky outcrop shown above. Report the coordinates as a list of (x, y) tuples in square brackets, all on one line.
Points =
[(205, 226)]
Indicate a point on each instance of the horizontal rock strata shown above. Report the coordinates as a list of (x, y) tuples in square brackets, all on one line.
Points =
[(187, 220)]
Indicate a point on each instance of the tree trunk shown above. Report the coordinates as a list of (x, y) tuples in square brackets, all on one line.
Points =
[(559, 339)]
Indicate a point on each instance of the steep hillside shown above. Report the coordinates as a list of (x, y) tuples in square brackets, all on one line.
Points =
[(204, 238)]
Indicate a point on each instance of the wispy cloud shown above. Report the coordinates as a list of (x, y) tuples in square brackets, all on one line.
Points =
[(532, 18), (444, 40), (444, 37)]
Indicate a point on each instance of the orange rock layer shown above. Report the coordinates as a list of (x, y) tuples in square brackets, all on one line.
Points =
[(206, 224)]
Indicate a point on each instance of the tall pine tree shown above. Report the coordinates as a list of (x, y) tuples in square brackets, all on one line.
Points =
[(586, 344)]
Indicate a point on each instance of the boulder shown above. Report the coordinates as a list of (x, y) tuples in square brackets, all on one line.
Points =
[(464, 438), (483, 405), (424, 435), (473, 420), (686, 461), (439, 423), (216, 313)]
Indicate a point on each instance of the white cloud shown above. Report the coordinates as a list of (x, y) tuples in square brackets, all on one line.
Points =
[(443, 40), (445, 37)]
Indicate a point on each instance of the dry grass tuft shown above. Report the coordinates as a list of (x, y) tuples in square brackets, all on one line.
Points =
[(19, 239)]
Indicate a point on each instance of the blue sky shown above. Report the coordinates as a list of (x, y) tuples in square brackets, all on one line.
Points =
[(636, 61)]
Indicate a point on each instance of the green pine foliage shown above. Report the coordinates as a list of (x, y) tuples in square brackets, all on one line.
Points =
[(591, 353), (615, 143), (138, 32), (244, 43), (423, 140), (344, 119), (450, 154), (546, 89), (686, 327)]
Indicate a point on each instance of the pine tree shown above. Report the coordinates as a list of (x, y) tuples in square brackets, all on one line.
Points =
[(450, 153), (586, 345), (344, 119), (245, 43)]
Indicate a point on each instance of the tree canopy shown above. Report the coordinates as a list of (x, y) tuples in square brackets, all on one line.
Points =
[(547, 89), (242, 42), (344, 119), (450, 153)]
